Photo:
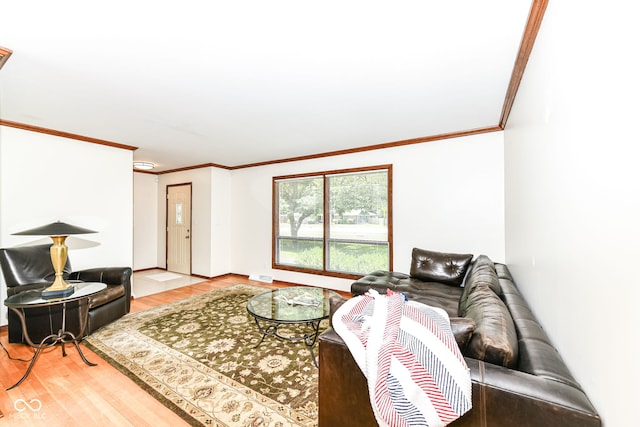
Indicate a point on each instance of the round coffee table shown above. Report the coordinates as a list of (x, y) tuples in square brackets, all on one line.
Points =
[(297, 305)]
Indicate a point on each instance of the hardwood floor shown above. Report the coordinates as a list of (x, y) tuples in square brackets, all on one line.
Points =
[(66, 392)]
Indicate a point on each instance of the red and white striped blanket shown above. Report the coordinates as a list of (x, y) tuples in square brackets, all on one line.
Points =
[(415, 371)]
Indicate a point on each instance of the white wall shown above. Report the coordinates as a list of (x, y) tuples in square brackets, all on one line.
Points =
[(220, 222), (573, 196), (145, 221), (447, 196), (46, 178)]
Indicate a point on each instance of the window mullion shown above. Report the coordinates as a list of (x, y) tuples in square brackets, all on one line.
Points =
[(326, 221)]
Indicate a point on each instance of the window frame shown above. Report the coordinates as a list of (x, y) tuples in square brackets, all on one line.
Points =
[(327, 218)]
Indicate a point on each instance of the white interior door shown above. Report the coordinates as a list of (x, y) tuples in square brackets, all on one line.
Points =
[(179, 228)]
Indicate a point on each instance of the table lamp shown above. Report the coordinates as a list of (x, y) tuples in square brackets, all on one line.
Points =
[(58, 231)]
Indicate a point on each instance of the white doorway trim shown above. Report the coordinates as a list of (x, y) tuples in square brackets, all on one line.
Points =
[(178, 228)]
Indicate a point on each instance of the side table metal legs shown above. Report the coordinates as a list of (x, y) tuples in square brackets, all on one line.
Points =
[(62, 337)]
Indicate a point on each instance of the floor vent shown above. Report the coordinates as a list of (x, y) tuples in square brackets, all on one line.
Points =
[(261, 278)]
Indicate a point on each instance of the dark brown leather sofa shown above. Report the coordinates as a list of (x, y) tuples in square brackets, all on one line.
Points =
[(518, 377), (29, 267)]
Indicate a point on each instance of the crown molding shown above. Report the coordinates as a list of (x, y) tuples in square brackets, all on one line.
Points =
[(62, 134), (538, 7)]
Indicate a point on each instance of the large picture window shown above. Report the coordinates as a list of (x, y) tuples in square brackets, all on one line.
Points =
[(335, 223)]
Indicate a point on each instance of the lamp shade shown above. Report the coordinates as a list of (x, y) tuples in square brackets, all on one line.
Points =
[(55, 229)]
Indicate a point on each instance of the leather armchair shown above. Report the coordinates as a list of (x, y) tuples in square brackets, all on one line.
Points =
[(29, 267)]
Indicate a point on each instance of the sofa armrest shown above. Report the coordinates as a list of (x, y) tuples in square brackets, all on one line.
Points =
[(501, 396), (342, 388)]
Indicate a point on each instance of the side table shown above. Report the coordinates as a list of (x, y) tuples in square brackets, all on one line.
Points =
[(33, 298)]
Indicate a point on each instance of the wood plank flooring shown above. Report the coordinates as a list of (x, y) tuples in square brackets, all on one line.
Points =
[(66, 392)]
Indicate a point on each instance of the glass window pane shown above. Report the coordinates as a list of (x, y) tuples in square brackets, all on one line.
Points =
[(357, 258), (304, 253), (178, 213), (300, 225), (358, 230), (358, 206)]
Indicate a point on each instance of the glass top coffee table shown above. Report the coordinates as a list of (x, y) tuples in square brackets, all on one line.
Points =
[(298, 305)]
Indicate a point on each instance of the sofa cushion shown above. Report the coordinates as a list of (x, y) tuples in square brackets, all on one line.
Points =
[(482, 274), (540, 358), (432, 293), (462, 328), (528, 328), (503, 272), (487, 278), (494, 339), (447, 268), (484, 261), (380, 281)]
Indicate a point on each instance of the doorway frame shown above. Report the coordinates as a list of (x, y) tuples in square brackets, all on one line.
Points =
[(166, 225)]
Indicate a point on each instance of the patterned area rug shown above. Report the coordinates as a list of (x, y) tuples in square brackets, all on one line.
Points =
[(198, 357)]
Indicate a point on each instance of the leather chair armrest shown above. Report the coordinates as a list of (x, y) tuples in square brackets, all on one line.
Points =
[(107, 275), (111, 276)]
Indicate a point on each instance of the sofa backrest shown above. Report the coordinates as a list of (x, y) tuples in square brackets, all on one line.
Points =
[(26, 265), (537, 355), (503, 312)]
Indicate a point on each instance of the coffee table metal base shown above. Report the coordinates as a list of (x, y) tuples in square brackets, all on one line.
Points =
[(269, 328)]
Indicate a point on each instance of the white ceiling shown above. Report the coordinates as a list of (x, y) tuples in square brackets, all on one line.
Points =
[(246, 81)]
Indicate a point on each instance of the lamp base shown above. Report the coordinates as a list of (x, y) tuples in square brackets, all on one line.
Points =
[(58, 293)]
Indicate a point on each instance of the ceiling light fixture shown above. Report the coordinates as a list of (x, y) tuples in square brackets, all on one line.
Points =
[(145, 166), (4, 55)]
